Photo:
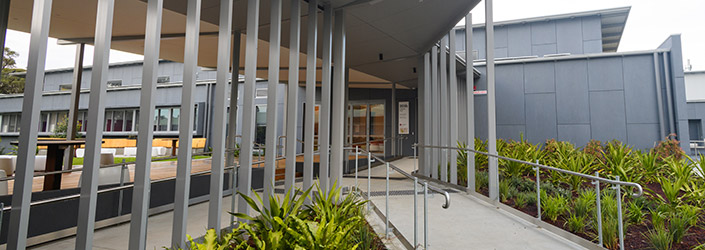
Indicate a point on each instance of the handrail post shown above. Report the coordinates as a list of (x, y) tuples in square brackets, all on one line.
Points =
[(599, 207), (416, 183), (357, 153), (2, 211), (619, 215), (538, 191), (386, 204), (416, 158), (425, 215), (122, 182), (369, 173)]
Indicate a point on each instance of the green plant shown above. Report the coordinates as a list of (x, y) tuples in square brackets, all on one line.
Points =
[(610, 221), (671, 189), (576, 223), (669, 147), (522, 199), (553, 205), (619, 162), (595, 149), (635, 213), (506, 190), (678, 225), (481, 180), (649, 165), (659, 238), (584, 205)]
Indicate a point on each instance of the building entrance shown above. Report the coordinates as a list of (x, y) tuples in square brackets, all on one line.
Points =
[(366, 125)]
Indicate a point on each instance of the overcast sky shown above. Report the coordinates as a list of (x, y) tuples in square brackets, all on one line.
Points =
[(649, 23)]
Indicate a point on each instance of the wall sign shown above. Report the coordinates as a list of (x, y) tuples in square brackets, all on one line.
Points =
[(403, 118)]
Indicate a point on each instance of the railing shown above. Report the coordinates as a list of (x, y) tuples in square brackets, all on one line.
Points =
[(389, 166), (595, 180)]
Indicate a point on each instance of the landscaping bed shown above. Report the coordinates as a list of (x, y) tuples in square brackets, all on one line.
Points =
[(669, 215)]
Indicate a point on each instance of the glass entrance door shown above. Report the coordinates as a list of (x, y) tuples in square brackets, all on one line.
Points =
[(366, 125)]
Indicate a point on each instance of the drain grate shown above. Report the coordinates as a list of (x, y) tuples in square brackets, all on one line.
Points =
[(404, 192)]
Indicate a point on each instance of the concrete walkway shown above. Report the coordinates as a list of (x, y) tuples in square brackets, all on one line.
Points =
[(469, 223)]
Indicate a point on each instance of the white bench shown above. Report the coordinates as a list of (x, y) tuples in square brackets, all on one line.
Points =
[(81, 152), (111, 175), (7, 163), (3, 184), (40, 163), (156, 151)]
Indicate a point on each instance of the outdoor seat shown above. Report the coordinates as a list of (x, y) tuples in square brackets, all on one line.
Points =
[(40, 163), (111, 175), (7, 164), (3, 184), (158, 151), (107, 158), (130, 151)]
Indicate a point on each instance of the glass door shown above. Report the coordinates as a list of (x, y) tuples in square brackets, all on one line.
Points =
[(366, 125)]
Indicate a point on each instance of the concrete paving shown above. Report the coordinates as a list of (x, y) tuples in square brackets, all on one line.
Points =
[(469, 223)]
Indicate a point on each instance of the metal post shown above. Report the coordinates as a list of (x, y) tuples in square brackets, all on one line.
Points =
[(123, 167), (445, 115), (425, 215), (386, 203), (232, 119), (669, 95), (444, 164), (292, 94), (143, 162), (357, 153), (338, 97), (415, 160), (369, 178), (233, 195), (619, 215), (183, 168), (394, 139), (219, 115), (453, 92), (538, 191), (416, 227), (659, 97), (427, 109), (94, 135), (324, 116), (470, 101), (309, 118), (22, 191), (435, 103), (73, 108), (270, 162), (599, 207), (491, 111)]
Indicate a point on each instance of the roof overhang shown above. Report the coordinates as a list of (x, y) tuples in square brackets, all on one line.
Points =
[(399, 30)]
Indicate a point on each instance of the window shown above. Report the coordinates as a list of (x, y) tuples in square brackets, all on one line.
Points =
[(10, 123), (65, 87), (261, 93), (175, 113), (116, 120), (695, 129), (128, 120), (114, 83), (167, 119), (163, 79), (44, 122), (260, 123)]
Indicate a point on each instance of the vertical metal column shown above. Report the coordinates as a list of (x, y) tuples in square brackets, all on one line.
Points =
[(394, 119), (445, 118), (428, 111), (669, 95), (140, 194), (4, 17), (453, 92), (324, 123), (22, 191), (338, 96), (421, 113), (219, 115), (491, 111), (470, 102), (183, 166), (270, 155), (435, 103), (292, 94), (232, 117), (94, 135), (310, 92), (248, 115), (73, 107), (659, 97)]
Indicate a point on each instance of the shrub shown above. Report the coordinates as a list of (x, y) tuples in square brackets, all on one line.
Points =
[(584, 205), (595, 149), (481, 180), (610, 221), (635, 213), (553, 205), (659, 238), (678, 225), (521, 200), (506, 191), (576, 223), (669, 147)]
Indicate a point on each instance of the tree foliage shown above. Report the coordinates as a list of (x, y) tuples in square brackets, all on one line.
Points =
[(9, 83)]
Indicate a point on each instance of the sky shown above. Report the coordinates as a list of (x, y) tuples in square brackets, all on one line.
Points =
[(649, 23)]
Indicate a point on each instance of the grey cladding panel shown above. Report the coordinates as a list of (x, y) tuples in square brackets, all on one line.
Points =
[(640, 90), (578, 134), (592, 46), (510, 132), (481, 116), (500, 36), (543, 32), (572, 92), (544, 49), (642, 136), (478, 42), (592, 28), (539, 77), (570, 36), (607, 115), (605, 73), (519, 42), (540, 117), (500, 52), (510, 94)]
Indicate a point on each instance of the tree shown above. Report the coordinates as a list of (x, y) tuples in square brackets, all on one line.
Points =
[(10, 84)]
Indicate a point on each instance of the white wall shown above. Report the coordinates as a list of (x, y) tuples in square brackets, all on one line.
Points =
[(695, 86)]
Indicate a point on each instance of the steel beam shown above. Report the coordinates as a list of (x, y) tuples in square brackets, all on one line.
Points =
[(421, 113), (338, 97), (324, 123), (445, 115), (248, 115), (94, 135), (470, 101), (31, 103), (140, 194), (310, 93), (219, 115), (491, 110), (75, 98), (270, 155), (232, 115), (453, 92), (395, 130), (428, 111), (292, 97), (436, 104), (183, 166)]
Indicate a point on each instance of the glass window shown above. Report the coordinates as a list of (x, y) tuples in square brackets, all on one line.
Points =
[(108, 121), (43, 124), (175, 114), (261, 123), (261, 93), (128, 120), (163, 119), (137, 120), (13, 120), (5, 123), (118, 122)]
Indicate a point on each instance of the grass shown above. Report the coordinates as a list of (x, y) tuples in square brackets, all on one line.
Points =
[(79, 161)]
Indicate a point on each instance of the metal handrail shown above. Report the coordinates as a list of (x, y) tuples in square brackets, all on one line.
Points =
[(639, 192)]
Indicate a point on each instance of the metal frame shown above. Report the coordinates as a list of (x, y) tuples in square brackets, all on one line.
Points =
[(435, 119), (427, 107), (338, 96), (183, 169), (491, 107), (445, 114), (453, 92), (219, 115), (232, 115), (75, 98), (292, 94), (272, 114), (22, 191), (140, 197), (310, 106), (470, 102), (324, 123), (248, 116), (94, 134)]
